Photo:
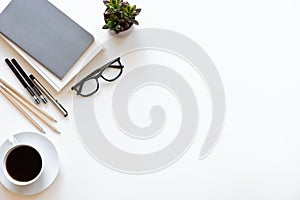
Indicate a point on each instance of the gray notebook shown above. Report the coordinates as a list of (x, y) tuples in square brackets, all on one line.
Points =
[(45, 33)]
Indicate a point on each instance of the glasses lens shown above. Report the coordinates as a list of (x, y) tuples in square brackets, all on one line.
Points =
[(111, 73), (89, 87)]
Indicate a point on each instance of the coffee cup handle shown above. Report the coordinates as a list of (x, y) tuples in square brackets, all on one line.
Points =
[(12, 140)]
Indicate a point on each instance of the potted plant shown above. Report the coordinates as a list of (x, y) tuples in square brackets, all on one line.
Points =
[(119, 17)]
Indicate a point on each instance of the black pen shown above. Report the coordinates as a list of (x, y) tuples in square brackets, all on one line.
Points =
[(28, 80), (25, 85), (50, 97)]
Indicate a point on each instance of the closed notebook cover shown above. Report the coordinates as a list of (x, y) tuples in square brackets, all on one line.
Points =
[(45, 33)]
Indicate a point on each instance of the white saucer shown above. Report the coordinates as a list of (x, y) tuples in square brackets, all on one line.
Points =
[(50, 159)]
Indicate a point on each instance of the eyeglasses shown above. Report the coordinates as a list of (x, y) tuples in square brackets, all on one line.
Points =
[(90, 85)]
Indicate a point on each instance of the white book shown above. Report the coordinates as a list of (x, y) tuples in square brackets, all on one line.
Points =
[(54, 81)]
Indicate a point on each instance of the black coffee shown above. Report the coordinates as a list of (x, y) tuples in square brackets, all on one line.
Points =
[(23, 163)]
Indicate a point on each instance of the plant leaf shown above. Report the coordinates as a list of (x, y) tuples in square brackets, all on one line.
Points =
[(105, 27), (135, 22), (132, 8)]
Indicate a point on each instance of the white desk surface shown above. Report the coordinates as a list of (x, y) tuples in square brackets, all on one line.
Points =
[(255, 46)]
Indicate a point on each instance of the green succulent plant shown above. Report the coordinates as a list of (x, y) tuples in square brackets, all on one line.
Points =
[(119, 15)]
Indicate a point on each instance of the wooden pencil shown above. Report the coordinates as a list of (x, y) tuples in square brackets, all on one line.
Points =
[(26, 100), (10, 99), (20, 100)]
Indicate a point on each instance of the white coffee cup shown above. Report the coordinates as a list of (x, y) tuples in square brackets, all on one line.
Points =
[(22, 163)]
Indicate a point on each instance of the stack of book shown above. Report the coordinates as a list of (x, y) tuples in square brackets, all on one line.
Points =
[(51, 42)]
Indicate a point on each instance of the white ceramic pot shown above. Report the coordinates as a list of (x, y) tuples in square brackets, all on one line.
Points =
[(123, 33)]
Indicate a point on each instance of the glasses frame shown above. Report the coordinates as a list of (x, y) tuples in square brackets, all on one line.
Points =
[(96, 74)]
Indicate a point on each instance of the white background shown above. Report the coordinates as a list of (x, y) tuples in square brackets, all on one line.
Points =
[(255, 46)]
